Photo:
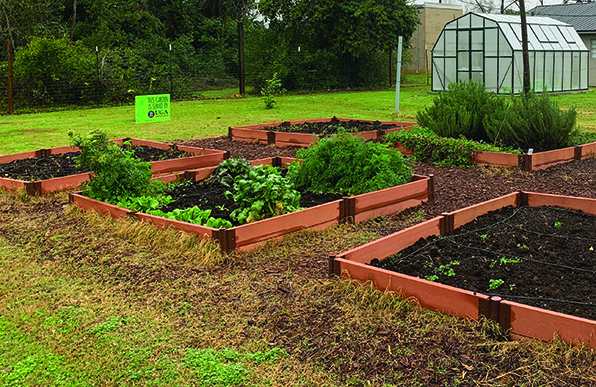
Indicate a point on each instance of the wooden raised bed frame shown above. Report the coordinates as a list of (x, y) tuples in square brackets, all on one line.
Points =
[(262, 134), (522, 321), (248, 236), (533, 162), (202, 158)]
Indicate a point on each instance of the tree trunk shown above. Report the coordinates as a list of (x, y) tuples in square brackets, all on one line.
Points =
[(74, 19), (525, 55)]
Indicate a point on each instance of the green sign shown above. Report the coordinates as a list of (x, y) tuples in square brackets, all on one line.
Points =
[(152, 108)]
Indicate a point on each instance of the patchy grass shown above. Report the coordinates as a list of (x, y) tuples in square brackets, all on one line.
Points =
[(89, 301)]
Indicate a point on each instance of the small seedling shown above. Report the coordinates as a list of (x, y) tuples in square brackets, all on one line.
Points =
[(505, 261), (495, 283), (522, 246), (484, 236), (558, 224), (431, 277), (511, 287)]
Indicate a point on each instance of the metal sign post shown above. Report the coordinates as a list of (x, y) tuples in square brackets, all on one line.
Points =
[(398, 77)]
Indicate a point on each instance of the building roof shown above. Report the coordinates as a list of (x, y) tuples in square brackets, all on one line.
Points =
[(582, 16)]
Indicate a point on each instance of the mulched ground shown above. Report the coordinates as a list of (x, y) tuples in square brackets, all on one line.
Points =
[(245, 150), (540, 256), (49, 167)]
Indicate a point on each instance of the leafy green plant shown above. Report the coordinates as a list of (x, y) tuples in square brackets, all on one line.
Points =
[(442, 151), (271, 89), (263, 193), (532, 121), (495, 283), (461, 111), (193, 215), (348, 165), (228, 170), (431, 277), (558, 224), (144, 203), (115, 172)]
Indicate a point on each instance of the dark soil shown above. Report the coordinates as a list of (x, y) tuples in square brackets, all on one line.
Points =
[(245, 150), (330, 127), (212, 196), (49, 167), (544, 255)]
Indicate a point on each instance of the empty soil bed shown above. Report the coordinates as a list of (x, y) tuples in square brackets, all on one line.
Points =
[(211, 196), (329, 127), (539, 256), (242, 149), (49, 167)]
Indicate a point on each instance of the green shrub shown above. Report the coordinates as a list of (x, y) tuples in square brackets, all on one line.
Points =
[(271, 89), (460, 111), (348, 165), (442, 151), (583, 137), (532, 121), (52, 71), (115, 173)]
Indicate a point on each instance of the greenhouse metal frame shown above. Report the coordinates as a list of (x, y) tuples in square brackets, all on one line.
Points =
[(487, 48)]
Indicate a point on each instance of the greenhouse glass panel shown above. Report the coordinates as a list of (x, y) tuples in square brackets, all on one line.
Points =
[(505, 71), (463, 40), (533, 40), (518, 79), (490, 74), (511, 38), (566, 71), (463, 61), (477, 21), (558, 76), (489, 23), (438, 81), (504, 48), (439, 49), (517, 31), (532, 57), (450, 71), (539, 34), (477, 40), (547, 46), (463, 76), (451, 26), (549, 62), (491, 41), (569, 38), (450, 43), (478, 77), (552, 33), (463, 22), (575, 71), (555, 46), (539, 71), (477, 61), (584, 71)]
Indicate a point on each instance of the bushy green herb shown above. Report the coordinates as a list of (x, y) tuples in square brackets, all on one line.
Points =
[(348, 165), (460, 111), (144, 203), (114, 171), (442, 151), (228, 170), (262, 194), (532, 121)]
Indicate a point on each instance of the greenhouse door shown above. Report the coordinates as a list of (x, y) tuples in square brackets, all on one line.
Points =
[(470, 54)]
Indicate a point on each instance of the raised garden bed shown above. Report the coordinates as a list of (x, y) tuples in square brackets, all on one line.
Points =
[(68, 176), (318, 216), (302, 133), (513, 314), (532, 162)]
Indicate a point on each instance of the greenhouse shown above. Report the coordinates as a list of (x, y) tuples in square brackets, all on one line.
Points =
[(487, 48)]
